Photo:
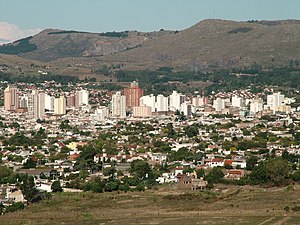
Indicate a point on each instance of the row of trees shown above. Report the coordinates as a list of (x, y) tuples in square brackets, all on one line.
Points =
[(143, 176), (155, 81)]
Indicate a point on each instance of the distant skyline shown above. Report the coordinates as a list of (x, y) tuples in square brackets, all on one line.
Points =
[(20, 18)]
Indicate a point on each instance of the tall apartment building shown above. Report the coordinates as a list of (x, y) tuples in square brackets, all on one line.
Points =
[(199, 101), (275, 101), (162, 103), (133, 94), (36, 104), (23, 102), (118, 105), (11, 98), (81, 98), (219, 104), (176, 99), (60, 105), (187, 109), (49, 103), (71, 101), (148, 100), (256, 105), (237, 101), (101, 113)]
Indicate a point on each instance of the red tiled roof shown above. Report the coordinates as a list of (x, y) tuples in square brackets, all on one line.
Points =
[(235, 172), (228, 162), (73, 157), (217, 160)]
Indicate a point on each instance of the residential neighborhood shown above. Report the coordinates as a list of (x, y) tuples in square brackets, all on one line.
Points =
[(66, 142)]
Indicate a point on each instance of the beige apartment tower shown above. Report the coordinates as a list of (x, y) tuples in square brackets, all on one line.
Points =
[(11, 98), (60, 105)]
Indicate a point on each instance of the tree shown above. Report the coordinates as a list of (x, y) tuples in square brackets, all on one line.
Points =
[(124, 187), (14, 207), (2, 208), (27, 187), (278, 170), (182, 154), (200, 173), (56, 187), (30, 163), (251, 162), (259, 174), (246, 132), (4, 172), (275, 171), (228, 166), (111, 185), (140, 187), (109, 171), (171, 132), (215, 175), (65, 149), (140, 168), (296, 175), (191, 131)]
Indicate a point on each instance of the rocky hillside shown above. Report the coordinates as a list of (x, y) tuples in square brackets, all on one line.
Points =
[(219, 44), (52, 44), (209, 44)]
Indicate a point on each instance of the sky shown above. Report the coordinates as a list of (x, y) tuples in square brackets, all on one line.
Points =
[(21, 18)]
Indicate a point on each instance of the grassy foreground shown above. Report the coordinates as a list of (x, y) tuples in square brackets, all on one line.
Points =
[(168, 205)]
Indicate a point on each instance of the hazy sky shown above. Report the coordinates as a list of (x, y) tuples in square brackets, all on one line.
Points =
[(24, 17)]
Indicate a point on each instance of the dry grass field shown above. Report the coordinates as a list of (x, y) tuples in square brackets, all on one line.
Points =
[(168, 205)]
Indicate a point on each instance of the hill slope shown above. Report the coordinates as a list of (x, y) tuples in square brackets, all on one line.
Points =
[(207, 45), (220, 44), (245, 205), (51, 44)]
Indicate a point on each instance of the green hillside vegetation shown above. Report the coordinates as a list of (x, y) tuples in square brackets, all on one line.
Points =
[(240, 30), (165, 79), (64, 79), (68, 32), (115, 34), (20, 46)]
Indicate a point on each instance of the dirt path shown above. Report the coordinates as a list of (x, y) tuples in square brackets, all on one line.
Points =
[(282, 221), (267, 220)]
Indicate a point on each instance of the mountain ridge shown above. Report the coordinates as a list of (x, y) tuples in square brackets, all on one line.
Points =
[(209, 44)]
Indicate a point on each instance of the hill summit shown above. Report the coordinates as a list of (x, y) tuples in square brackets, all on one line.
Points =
[(208, 44)]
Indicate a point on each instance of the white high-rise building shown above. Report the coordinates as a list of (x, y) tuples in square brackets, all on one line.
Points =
[(100, 114), (49, 102), (148, 100), (81, 98), (256, 105), (237, 101), (30, 104), (36, 104), (162, 103), (118, 105), (176, 99), (275, 101), (219, 104), (60, 105), (187, 109)]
